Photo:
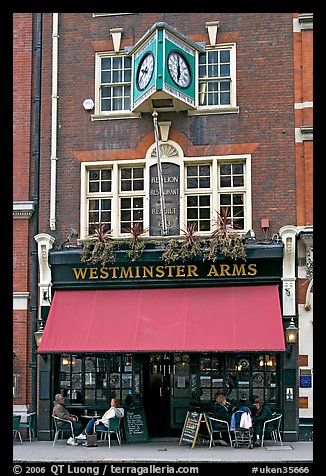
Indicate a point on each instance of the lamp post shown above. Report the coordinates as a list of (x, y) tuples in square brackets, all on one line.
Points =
[(291, 336)]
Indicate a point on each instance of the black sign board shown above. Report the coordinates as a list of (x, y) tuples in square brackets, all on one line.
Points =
[(191, 428), (171, 191), (135, 425)]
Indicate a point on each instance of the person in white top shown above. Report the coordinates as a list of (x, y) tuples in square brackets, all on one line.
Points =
[(114, 411)]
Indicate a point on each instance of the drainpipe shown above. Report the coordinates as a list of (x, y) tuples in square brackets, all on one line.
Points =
[(53, 179), (36, 155)]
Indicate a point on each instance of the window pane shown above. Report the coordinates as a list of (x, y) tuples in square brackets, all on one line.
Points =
[(138, 172), (204, 225), (126, 185), (225, 169), (225, 56), (126, 173), (192, 214), (192, 183), (225, 98), (204, 182), (94, 187), (126, 203), (192, 201), (93, 204), (204, 213), (106, 204), (106, 63), (204, 200), (238, 181), (204, 170), (237, 168), (125, 215), (138, 185), (106, 217), (225, 199), (192, 171), (225, 181), (106, 77), (238, 199), (138, 202), (224, 70), (212, 56), (106, 174), (225, 86), (106, 92), (106, 186)]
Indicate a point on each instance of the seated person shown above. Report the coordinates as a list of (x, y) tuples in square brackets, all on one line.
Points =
[(261, 413), (220, 411), (60, 411), (102, 423)]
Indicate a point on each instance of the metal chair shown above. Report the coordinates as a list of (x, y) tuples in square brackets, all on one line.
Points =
[(62, 430), (15, 426), (113, 427), (273, 426), (222, 426), (29, 425)]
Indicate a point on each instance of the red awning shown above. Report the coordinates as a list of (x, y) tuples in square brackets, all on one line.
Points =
[(242, 318)]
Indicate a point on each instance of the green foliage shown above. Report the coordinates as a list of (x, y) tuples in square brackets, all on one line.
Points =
[(101, 248)]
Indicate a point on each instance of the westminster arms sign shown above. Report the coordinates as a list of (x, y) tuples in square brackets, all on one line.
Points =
[(154, 273)]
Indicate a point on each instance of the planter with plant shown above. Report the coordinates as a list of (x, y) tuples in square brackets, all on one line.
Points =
[(187, 247), (99, 247), (136, 244), (225, 239)]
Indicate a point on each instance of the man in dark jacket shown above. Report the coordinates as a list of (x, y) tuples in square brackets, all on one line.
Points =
[(261, 413), (60, 411)]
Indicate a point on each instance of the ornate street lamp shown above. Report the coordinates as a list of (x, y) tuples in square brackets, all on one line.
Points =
[(291, 336)]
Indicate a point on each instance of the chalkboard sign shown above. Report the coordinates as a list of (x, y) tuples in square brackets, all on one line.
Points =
[(135, 425), (191, 428)]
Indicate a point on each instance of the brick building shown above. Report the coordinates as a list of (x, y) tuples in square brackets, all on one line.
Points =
[(155, 123)]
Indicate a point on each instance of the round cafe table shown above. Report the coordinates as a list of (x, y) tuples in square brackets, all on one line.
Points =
[(89, 417)]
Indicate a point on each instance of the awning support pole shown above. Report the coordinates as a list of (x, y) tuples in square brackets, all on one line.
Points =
[(160, 177)]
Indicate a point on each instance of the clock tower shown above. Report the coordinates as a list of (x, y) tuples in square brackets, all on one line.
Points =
[(164, 71)]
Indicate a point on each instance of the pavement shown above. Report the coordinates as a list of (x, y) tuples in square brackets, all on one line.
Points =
[(159, 451)]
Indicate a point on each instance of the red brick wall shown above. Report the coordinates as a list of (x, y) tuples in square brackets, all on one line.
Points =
[(22, 74), (264, 95)]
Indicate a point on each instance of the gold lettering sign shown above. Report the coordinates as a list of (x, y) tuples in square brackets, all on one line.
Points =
[(165, 271)]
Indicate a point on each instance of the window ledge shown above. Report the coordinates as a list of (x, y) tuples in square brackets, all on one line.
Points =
[(214, 110), (118, 115)]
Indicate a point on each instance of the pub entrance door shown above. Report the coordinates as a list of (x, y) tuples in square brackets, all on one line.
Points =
[(157, 375), (166, 392)]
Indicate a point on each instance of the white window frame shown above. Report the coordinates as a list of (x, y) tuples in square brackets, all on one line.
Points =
[(104, 115), (232, 108), (182, 162), (131, 193), (216, 192)]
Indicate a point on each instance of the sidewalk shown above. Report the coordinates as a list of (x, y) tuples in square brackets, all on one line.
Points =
[(159, 451)]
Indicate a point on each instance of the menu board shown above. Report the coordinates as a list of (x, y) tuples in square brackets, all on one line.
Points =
[(191, 428), (135, 425)]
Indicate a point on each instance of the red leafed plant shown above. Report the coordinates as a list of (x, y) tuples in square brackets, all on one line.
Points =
[(136, 245), (99, 247), (225, 239)]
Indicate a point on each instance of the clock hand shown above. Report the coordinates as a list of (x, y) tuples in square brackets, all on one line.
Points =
[(178, 69)]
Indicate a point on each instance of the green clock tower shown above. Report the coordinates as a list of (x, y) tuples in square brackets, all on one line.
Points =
[(164, 71)]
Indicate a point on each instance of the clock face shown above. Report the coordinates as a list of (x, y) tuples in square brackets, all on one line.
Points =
[(145, 71), (179, 69)]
